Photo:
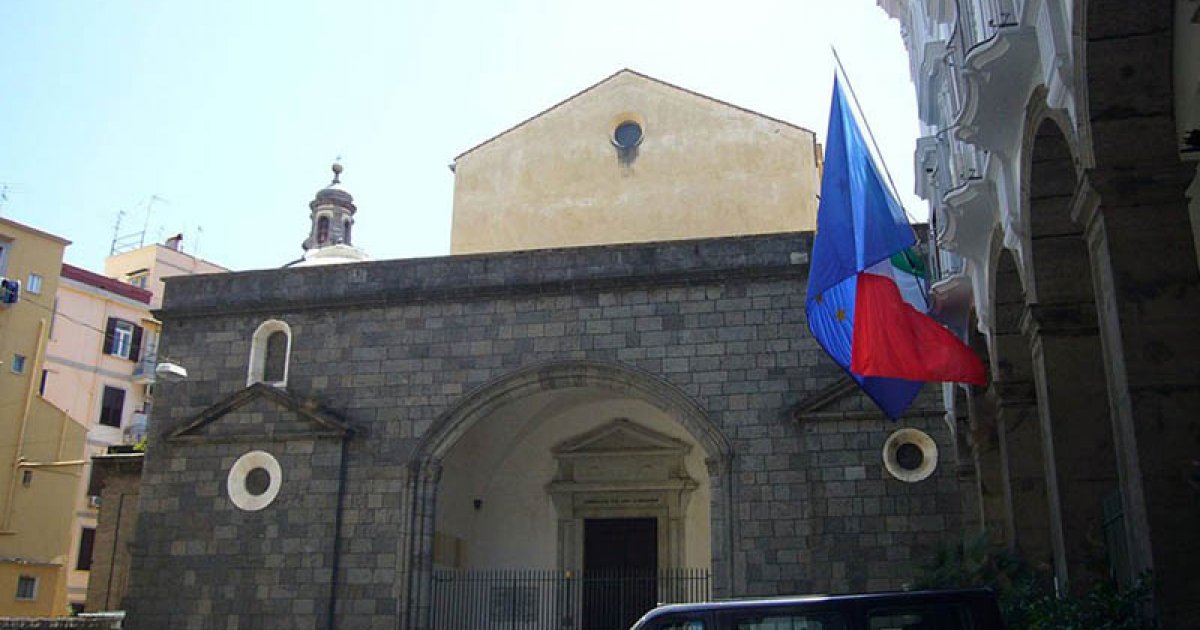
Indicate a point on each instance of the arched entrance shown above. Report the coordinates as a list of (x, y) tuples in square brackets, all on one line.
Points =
[(1068, 363), (1013, 398), (552, 473)]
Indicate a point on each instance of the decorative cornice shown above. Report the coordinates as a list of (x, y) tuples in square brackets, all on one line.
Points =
[(325, 424)]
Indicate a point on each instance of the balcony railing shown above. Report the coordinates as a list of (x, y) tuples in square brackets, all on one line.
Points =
[(143, 371), (557, 600)]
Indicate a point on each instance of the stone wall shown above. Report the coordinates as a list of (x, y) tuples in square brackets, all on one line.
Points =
[(393, 347), (119, 478)]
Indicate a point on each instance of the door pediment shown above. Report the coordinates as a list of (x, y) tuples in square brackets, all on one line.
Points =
[(621, 437)]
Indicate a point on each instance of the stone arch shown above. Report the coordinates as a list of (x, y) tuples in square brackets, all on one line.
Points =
[(1125, 94), (1134, 207), (452, 424), (1012, 399), (1060, 322), (1048, 180), (438, 441)]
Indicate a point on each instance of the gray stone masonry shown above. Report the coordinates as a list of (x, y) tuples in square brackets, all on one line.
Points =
[(392, 346)]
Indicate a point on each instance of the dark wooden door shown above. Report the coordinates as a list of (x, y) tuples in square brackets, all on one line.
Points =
[(620, 565)]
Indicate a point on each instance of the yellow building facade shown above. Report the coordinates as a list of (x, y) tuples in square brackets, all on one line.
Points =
[(42, 453), (146, 267), (634, 159)]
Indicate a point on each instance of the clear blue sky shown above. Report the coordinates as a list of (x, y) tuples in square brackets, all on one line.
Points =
[(232, 111)]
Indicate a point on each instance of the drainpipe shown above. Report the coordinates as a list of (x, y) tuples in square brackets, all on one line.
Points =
[(19, 445), (337, 535)]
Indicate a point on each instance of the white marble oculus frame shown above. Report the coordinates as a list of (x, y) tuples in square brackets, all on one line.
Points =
[(910, 455), (240, 481)]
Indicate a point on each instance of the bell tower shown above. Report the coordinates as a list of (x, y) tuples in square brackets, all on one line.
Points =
[(332, 221)]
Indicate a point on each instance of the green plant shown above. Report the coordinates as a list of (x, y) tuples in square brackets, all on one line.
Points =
[(1026, 595)]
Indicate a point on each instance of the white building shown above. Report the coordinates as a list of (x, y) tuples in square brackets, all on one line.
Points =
[(1058, 157)]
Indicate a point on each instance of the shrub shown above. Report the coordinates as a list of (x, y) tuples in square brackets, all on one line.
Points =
[(1027, 596)]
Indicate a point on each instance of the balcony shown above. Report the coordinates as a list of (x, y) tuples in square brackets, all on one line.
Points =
[(999, 62), (965, 224), (143, 372), (136, 429)]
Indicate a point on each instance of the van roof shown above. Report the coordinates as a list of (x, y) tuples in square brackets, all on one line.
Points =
[(771, 602)]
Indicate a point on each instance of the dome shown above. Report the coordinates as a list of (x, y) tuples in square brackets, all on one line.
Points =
[(334, 194)]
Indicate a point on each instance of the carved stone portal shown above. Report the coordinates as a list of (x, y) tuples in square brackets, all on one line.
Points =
[(621, 470)]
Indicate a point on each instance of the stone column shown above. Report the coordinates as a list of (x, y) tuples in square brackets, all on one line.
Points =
[(1028, 528), (991, 485), (417, 544), (1147, 290), (724, 580), (1068, 373)]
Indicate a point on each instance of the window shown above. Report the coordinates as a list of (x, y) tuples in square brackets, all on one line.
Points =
[(27, 587), (346, 231), (26, 477), (112, 406), (139, 280), (5, 245), (87, 541), (792, 621), (122, 339), (42, 384), (35, 283), (18, 364), (627, 135), (276, 361), (947, 616), (674, 623), (270, 353), (322, 230)]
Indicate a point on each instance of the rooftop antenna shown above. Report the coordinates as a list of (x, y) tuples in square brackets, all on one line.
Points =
[(112, 249), (122, 243), (146, 223), (5, 189)]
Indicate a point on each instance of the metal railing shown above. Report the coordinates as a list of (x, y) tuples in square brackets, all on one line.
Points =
[(533, 599)]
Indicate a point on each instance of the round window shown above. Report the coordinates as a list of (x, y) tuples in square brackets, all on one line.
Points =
[(627, 135), (910, 455), (254, 481)]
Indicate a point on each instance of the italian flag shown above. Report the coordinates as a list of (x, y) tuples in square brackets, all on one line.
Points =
[(893, 334)]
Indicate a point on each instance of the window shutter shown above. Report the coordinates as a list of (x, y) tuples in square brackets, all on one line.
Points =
[(109, 332), (136, 348)]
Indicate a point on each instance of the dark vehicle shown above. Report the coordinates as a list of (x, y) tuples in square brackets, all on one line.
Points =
[(967, 609)]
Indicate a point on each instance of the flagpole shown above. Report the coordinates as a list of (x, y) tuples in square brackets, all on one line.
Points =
[(870, 134)]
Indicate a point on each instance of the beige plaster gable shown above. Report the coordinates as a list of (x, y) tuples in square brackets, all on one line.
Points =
[(699, 168)]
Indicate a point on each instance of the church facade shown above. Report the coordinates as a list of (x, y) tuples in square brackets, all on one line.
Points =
[(358, 444)]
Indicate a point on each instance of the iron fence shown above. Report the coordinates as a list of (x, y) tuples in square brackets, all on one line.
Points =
[(557, 600)]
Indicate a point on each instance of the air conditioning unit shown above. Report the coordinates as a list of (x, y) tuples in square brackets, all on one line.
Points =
[(94, 501)]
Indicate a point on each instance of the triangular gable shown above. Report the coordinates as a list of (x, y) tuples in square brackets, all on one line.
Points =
[(308, 419), (843, 400), (621, 436), (609, 78), (823, 398)]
